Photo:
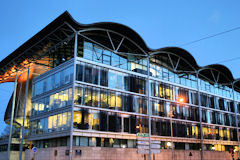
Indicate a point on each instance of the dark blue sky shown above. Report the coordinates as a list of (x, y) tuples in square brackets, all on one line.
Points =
[(161, 23)]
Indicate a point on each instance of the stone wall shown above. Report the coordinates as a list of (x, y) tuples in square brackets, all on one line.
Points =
[(102, 153)]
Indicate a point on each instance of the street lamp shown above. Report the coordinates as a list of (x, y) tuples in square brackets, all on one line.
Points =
[(180, 100), (169, 144)]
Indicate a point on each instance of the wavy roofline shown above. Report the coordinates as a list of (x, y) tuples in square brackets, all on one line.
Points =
[(123, 29), (148, 49)]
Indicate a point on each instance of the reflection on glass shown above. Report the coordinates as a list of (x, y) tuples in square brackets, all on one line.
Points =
[(53, 81), (54, 101)]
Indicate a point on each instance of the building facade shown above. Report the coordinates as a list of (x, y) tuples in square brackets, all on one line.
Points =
[(99, 85)]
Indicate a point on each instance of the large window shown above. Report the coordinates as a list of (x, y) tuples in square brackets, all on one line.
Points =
[(162, 90), (110, 100), (109, 121), (98, 54), (54, 101), (112, 79), (158, 108), (52, 123), (53, 81), (161, 127), (82, 119)]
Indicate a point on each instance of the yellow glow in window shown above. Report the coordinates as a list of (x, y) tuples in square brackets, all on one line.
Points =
[(64, 118), (55, 121), (118, 101), (111, 100), (161, 93), (77, 117), (228, 134), (221, 133), (60, 120), (50, 122)]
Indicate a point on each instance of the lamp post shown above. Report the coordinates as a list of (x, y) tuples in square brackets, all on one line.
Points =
[(171, 114), (180, 100)]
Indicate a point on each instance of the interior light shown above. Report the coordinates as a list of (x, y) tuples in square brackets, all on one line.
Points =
[(213, 148), (169, 144), (181, 99)]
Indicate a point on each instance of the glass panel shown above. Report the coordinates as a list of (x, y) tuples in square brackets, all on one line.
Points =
[(95, 120), (118, 101)]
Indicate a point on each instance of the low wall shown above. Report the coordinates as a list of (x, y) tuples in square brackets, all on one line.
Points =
[(14, 155), (102, 153)]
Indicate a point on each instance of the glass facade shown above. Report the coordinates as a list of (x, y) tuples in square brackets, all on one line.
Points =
[(53, 81), (58, 122), (110, 95), (52, 94), (53, 101)]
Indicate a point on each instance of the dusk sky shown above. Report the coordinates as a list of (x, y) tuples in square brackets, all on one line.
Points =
[(160, 23)]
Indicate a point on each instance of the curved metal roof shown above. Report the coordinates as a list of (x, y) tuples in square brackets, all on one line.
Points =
[(225, 76), (182, 53)]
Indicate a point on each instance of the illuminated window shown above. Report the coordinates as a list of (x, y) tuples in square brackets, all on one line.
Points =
[(88, 97), (77, 118), (95, 98), (119, 101), (111, 100), (104, 103), (169, 93), (82, 119), (50, 123), (161, 91), (35, 107), (64, 119), (40, 105), (54, 121), (221, 133), (228, 134)]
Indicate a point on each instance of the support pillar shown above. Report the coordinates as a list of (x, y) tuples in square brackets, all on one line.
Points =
[(23, 122), (148, 105), (200, 115), (73, 93), (236, 119), (12, 116)]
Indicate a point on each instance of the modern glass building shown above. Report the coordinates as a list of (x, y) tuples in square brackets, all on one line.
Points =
[(99, 85)]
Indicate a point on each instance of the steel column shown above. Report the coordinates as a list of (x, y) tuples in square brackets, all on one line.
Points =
[(236, 119), (25, 104), (148, 106), (171, 114), (200, 114), (12, 116), (73, 93)]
